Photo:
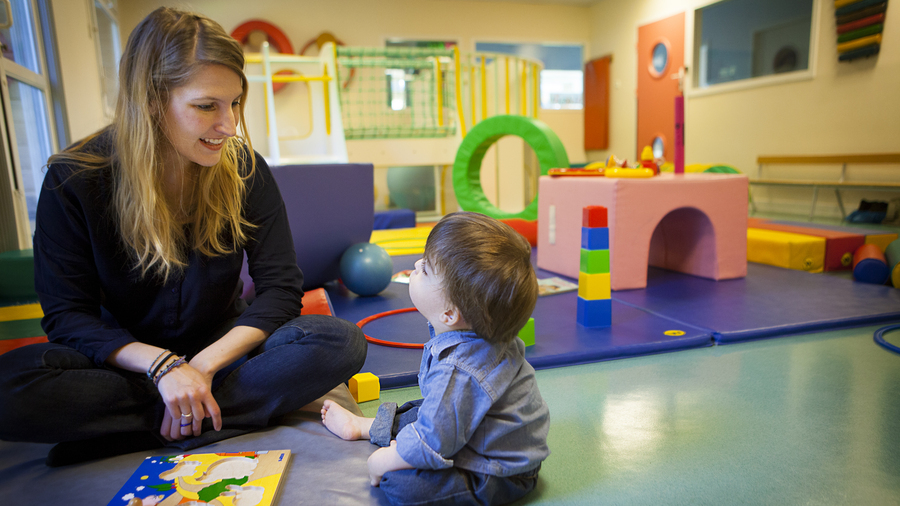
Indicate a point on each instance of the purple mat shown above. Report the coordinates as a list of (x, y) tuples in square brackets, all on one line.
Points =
[(330, 208), (770, 301), (559, 339)]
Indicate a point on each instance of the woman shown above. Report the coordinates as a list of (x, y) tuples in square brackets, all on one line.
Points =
[(141, 233)]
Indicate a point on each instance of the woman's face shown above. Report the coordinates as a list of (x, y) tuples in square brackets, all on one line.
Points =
[(203, 113)]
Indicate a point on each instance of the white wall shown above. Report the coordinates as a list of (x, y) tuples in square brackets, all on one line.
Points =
[(79, 67), (846, 108)]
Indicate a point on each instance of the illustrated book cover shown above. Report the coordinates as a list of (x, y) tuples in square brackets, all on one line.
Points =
[(548, 286), (218, 479)]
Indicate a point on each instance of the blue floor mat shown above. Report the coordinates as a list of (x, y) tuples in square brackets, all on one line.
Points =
[(770, 301), (559, 340)]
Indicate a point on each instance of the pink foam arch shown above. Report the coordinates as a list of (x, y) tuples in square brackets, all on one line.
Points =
[(691, 223)]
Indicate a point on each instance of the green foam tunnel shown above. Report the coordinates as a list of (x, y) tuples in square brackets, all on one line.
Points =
[(467, 166)]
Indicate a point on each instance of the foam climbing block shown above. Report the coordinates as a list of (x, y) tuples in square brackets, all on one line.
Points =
[(401, 241), (394, 218), (594, 313), (869, 265), (17, 276), (879, 237), (527, 333), (784, 249), (594, 261), (21, 312), (364, 387), (839, 246), (528, 228), (593, 286), (330, 207), (11, 344), (17, 329), (691, 223), (892, 255), (546, 145)]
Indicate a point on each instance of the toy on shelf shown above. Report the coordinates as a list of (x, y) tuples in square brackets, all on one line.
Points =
[(594, 307), (575, 171), (364, 386), (620, 168), (629, 173), (648, 162)]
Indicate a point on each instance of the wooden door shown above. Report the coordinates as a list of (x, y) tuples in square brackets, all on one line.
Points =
[(660, 60)]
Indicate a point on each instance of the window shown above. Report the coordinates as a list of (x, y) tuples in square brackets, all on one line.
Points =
[(27, 136), (562, 79), (745, 39)]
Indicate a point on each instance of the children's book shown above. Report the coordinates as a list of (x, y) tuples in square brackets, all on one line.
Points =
[(548, 286), (401, 277), (219, 479)]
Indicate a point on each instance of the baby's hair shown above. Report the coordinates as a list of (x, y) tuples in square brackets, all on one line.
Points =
[(486, 271)]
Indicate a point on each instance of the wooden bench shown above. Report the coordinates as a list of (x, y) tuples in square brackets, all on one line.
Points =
[(842, 183)]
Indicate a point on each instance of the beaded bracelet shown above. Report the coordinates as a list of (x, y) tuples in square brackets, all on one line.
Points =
[(168, 368), (159, 364)]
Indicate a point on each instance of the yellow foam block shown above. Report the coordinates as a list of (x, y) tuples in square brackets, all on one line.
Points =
[(22, 312), (401, 241), (785, 249), (593, 286), (881, 240), (364, 387)]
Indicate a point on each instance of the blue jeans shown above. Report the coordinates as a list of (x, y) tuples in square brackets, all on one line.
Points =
[(50, 393), (440, 486)]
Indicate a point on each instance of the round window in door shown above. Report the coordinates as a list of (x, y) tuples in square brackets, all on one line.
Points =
[(659, 147), (659, 60)]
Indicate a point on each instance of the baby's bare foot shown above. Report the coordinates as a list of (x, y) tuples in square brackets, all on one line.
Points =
[(343, 423)]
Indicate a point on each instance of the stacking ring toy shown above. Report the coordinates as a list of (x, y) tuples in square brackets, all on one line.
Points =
[(392, 344)]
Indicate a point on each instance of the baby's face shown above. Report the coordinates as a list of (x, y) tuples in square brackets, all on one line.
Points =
[(426, 291)]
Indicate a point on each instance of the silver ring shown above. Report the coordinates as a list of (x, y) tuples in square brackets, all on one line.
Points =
[(189, 415)]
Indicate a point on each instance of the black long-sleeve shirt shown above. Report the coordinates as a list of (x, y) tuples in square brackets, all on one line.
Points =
[(95, 301)]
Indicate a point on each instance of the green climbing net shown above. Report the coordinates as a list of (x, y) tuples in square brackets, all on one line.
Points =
[(390, 93)]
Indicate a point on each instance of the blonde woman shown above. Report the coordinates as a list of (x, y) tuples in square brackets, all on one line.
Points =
[(141, 233)]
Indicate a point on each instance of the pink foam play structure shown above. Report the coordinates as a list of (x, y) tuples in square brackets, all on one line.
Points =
[(691, 223)]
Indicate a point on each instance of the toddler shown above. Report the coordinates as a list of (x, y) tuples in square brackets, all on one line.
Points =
[(479, 435)]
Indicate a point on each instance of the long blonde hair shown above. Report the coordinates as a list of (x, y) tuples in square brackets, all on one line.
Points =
[(164, 52)]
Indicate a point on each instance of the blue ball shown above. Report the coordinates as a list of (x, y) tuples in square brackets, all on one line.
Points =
[(366, 268)]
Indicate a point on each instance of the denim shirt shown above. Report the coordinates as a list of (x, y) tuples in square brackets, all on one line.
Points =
[(481, 408)]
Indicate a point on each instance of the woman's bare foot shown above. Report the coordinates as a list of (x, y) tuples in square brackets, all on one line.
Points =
[(343, 423)]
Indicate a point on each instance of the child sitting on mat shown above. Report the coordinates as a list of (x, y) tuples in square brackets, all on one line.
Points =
[(480, 433)]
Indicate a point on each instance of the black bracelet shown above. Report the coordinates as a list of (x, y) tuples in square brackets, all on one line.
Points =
[(161, 363), (168, 368), (149, 374)]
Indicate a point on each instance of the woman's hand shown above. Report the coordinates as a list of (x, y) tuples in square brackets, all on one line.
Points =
[(187, 391)]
